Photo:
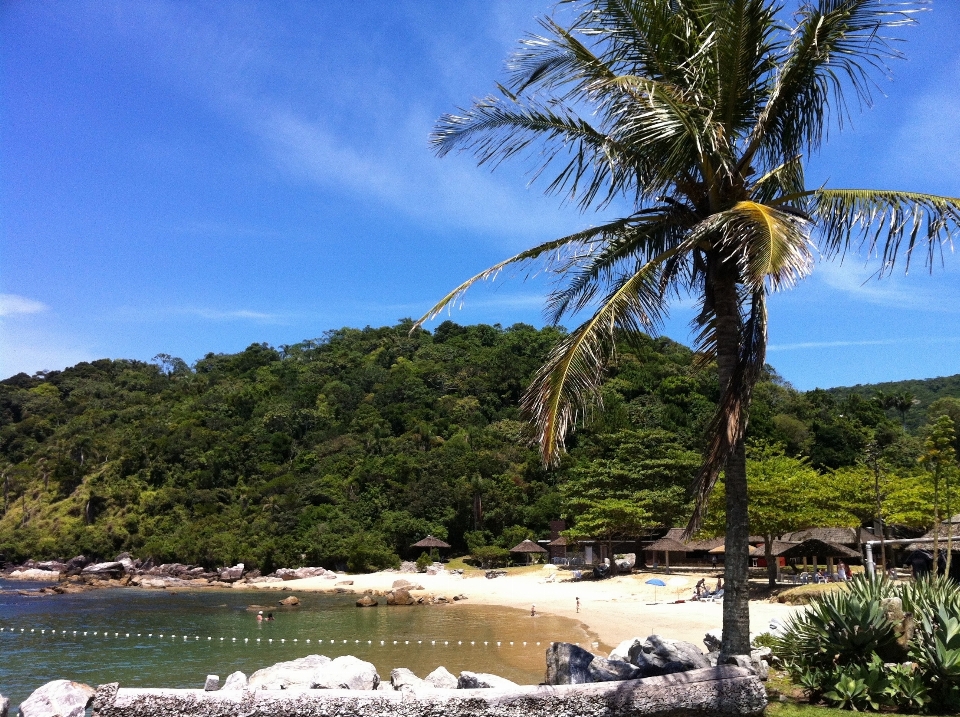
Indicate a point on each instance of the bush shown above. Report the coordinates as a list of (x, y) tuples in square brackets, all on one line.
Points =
[(490, 556), (424, 562)]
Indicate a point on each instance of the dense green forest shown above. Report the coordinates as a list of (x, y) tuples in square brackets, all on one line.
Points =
[(347, 449)]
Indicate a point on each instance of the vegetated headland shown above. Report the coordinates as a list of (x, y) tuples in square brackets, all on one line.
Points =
[(344, 451)]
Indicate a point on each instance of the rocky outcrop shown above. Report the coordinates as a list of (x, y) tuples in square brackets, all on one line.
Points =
[(716, 692), (212, 683), (569, 664), (104, 571), (35, 574), (442, 679), (403, 679), (60, 698), (231, 575), (367, 601), (301, 573), (291, 601), (348, 673), (713, 640), (483, 681)]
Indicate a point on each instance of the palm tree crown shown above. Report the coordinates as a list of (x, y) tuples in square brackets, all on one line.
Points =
[(699, 114)]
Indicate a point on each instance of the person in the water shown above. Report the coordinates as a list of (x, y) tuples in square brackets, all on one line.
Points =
[(269, 616), (260, 616)]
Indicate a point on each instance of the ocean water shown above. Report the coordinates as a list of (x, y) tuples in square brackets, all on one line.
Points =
[(171, 638)]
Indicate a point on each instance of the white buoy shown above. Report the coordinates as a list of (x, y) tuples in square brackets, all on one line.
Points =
[(96, 633), (419, 642), (32, 630), (42, 632), (258, 639), (221, 639), (511, 643), (344, 642), (355, 641), (459, 642), (209, 638), (381, 642), (270, 640), (524, 644), (498, 644), (282, 640), (369, 642), (308, 640), (433, 642), (233, 639), (295, 639), (445, 642), (406, 642), (116, 634), (538, 644), (127, 635), (246, 639), (472, 642), (485, 642), (394, 642)]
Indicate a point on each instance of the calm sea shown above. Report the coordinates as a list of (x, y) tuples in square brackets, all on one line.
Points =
[(164, 638)]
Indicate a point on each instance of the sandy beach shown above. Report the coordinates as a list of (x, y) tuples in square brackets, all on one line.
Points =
[(612, 610)]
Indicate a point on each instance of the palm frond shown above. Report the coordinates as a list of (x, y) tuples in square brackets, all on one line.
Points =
[(566, 385), (893, 224), (549, 254)]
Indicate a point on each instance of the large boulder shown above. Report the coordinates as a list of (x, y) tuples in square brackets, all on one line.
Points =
[(235, 681), (231, 575), (304, 672), (291, 601), (60, 698), (348, 673), (627, 561), (300, 573), (35, 574), (78, 563), (403, 679), (367, 601), (567, 664), (52, 565), (442, 679), (112, 570), (482, 680), (400, 596), (660, 656)]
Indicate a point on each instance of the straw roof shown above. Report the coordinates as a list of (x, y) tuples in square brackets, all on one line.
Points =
[(813, 546), (527, 546), (666, 544), (837, 536), (559, 541), (431, 542), (751, 550)]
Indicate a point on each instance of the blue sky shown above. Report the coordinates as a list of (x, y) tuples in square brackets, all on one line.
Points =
[(186, 177)]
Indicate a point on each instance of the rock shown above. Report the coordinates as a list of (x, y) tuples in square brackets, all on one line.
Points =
[(482, 680), (627, 561), (457, 598), (52, 565), (112, 570), (212, 684), (399, 597), (435, 569), (290, 601), (347, 673), (128, 567), (712, 657), (345, 582), (439, 600), (4, 706), (408, 567), (304, 672), (235, 681), (567, 664), (403, 679), (402, 584), (622, 651), (230, 575), (35, 574), (77, 563), (660, 656), (603, 670), (713, 640), (300, 573), (60, 698), (442, 679), (367, 601)]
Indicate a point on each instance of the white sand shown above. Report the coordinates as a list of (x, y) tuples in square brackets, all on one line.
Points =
[(614, 609)]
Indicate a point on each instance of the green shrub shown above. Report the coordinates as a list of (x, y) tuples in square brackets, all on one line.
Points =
[(424, 562), (490, 556)]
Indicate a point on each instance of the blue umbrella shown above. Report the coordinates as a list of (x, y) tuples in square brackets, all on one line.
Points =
[(656, 582)]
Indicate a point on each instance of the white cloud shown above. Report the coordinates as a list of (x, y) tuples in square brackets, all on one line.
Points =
[(916, 292), (12, 304)]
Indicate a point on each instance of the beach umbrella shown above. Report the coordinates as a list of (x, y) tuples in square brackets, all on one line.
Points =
[(656, 582), (430, 543)]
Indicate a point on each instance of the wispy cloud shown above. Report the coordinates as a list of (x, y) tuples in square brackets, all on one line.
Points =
[(914, 293), (236, 315), (12, 304), (866, 342)]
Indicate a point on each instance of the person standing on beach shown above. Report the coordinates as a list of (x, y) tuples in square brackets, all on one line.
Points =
[(533, 611), (578, 604)]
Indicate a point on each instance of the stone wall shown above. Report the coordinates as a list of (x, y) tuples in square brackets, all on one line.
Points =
[(710, 692)]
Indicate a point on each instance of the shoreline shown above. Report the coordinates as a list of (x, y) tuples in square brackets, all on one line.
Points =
[(611, 610)]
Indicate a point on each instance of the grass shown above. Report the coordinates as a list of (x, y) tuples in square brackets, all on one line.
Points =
[(798, 709), (803, 594)]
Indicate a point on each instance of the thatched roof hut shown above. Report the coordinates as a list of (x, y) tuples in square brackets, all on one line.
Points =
[(431, 542)]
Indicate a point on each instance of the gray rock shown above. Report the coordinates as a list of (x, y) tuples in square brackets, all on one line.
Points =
[(408, 566), (712, 658), (403, 679), (347, 673), (235, 681), (212, 684), (622, 651), (304, 672), (402, 584), (291, 601), (53, 565), (482, 680), (77, 563), (367, 601), (442, 679), (568, 664), (603, 670), (230, 575), (660, 656), (104, 570), (60, 698), (713, 640), (4, 706)]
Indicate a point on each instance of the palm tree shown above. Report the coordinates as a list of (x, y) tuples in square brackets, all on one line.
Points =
[(699, 115)]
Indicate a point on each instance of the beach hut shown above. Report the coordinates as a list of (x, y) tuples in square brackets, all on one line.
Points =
[(529, 548), (431, 543), (666, 545), (558, 547)]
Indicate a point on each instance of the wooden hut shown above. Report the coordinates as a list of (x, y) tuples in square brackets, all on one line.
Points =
[(431, 544)]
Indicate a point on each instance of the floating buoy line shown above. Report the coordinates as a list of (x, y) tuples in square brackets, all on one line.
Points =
[(156, 637)]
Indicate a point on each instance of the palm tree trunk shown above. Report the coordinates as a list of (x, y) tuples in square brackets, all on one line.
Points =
[(736, 608)]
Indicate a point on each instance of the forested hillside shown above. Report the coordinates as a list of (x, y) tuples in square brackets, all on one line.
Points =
[(347, 449), (924, 392)]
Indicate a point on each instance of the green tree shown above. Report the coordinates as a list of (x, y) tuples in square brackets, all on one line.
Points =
[(610, 520), (940, 460), (698, 115)]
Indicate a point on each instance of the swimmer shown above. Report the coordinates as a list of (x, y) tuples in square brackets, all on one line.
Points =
[(260, 616)]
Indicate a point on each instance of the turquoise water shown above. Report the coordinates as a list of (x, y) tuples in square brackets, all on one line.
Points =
[(35, 650)]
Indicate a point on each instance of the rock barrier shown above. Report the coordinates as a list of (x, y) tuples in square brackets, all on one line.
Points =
[(715, 691)]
